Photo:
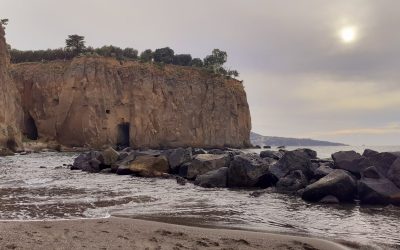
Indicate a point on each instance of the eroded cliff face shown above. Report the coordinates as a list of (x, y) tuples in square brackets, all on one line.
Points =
[(10, 111), (95, 102)]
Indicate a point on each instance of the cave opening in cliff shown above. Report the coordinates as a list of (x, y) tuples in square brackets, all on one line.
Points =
[(123, 135), (31, 131)]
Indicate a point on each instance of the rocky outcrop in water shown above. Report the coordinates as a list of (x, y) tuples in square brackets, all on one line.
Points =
[(95, 101), (9, 108)]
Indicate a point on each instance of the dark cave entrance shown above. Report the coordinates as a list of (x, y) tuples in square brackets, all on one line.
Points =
[(31, 131), (123, 135)]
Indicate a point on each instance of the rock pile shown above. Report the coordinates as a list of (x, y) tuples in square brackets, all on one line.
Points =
[(371, 178)]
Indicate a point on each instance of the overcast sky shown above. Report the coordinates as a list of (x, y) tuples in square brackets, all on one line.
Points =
[(301, 78)]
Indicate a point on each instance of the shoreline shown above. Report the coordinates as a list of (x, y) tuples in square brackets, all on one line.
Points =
[(128, 233)]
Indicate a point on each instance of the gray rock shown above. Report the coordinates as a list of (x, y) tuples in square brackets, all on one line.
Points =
[(307, 153), (292, 182), (323, 161), (106, 171), (108, 156), (248, 170), (369, 152), (217, 151), (150, 166), (374, 188), (291, 161), (257, 193), (322, 171), (150, 152), (127, 150), (123, 162), (87, 162), (213, 179), (122, 155), (382, 161), (123, 170), (202, 164), (329, 199), (198, 151), (271, 154), (180, 180), (338, 183), (314, 167), (176, 157), (394, 172), (349, 161)]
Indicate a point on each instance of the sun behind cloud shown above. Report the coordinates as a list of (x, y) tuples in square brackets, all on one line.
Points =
[(348, 34)]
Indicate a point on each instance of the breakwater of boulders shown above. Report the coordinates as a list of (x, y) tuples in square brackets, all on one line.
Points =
[(370, 178)]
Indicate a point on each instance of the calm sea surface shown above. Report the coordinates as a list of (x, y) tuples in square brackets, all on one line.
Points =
[(38, 186)]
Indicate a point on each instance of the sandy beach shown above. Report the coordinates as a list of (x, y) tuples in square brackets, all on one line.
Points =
[(124, 233)]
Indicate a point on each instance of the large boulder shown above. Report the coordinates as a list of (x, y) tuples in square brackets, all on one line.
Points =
[(88, 162), (394, 172), (271, 154), (124, 162), (292, 182), (247, 170), (203, 163), (369, 153), (306, 152), (374, 188), (213, 179), (349, 161), (149, 166), (382, 161), (291, 161), (339, 183), (178, 156), (108, 156)]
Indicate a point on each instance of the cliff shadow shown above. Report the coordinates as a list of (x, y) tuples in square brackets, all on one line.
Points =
[(30, 130), (123, 135)]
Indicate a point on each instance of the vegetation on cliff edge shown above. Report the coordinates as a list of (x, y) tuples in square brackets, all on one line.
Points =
[(75, 45)]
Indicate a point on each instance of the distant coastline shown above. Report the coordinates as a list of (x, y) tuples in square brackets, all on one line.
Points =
[(257, 139)]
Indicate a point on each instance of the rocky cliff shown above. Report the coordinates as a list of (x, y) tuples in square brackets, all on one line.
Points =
[(95, 101), (9, 103)]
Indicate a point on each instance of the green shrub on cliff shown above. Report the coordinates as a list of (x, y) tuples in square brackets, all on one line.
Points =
[(147, 55), (164, 55), (130, 53), (18, 56), (197, 62), (182, 60)]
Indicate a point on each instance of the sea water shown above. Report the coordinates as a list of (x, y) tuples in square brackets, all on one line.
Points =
[(40, 186)]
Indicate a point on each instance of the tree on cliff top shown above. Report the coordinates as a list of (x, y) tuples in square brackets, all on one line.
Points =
[(182, 60), (216, 60), (147, 55), (4, 22), (164, 55), (76, 43)]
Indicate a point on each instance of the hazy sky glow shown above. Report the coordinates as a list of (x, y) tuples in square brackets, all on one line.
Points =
[(302, 79)]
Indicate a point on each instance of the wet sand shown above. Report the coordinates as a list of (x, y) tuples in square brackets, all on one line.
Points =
[(125, 233)]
